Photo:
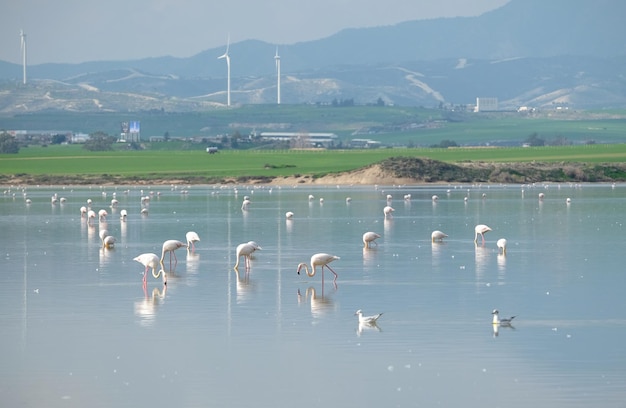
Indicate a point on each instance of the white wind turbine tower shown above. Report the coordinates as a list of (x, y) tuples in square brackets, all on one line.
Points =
[(23, 45), (227, 57), (277, 58)]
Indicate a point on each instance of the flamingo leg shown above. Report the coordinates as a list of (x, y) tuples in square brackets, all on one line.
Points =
[(335, 273)]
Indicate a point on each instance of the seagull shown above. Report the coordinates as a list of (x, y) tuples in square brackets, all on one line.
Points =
[(501, 322), (367, 319)]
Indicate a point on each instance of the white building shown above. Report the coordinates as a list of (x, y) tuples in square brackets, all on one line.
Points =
[(314, 139), (486, 104)]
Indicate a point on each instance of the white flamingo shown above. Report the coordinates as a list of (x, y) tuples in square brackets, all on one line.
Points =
[(369, 238), (246, 249), (192, 237), (387, 211), (501, 243), (108, 241), (171, 245), (480, 229), (322, 260), (438, 236), (151, 261)]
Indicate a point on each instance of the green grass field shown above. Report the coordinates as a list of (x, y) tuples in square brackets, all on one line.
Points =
[(391, 125), (73, 160)]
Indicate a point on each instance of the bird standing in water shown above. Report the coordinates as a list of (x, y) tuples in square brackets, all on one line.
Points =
[(322, 260), (246, 249)]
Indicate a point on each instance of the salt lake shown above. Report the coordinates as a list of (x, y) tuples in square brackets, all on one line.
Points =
[(80, 329)]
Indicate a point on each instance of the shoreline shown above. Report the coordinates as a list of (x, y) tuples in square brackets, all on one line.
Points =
[(394, 171)]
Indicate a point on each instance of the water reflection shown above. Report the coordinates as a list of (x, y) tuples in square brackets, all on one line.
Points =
[(481, 258), (367, 326), (320, 304), (146, 308), (245, 287), (55, 310)]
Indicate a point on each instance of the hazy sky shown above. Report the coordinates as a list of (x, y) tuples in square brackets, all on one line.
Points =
[(90, 30)]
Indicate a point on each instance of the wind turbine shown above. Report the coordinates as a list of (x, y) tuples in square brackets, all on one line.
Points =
[(277, 58), (227, 57), (23, 45)]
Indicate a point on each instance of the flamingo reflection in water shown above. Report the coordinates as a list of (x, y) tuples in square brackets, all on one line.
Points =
[(146, 308), (320, 304), (322, 260)]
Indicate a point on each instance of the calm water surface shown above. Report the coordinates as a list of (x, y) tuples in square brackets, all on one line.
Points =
[(80, 330)]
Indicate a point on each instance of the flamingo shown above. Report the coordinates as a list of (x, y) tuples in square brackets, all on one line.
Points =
[(170, 246), (289, 215), (369, 238), (501, 245), (192, 238), (123, 215), (387, 211), (83, 212), (501, 322), (150, 260), (246, 249), (367, 319), (438, 236), (108, 241), (322, 260), (435, 197), (480, 229), (102, 215), (245, 204), (91, 216)]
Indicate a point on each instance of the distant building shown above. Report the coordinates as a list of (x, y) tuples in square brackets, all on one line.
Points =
[(365, 144), (313, 139), (486, 104)]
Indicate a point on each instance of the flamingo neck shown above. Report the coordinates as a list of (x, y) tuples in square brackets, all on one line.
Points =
[(310, 272)]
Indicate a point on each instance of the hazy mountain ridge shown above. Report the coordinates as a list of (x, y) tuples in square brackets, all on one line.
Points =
[(528, 52)]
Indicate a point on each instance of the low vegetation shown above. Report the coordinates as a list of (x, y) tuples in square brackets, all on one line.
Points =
[(72, 164)]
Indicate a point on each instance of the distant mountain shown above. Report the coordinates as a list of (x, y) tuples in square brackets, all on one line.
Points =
[(528, 52)]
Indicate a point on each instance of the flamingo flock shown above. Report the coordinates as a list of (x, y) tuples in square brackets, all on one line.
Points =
[(154, 264)]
